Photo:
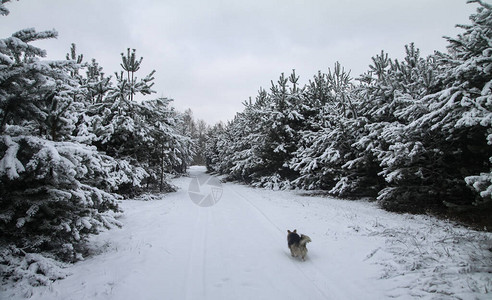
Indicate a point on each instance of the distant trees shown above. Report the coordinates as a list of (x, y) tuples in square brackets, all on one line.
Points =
[(415, 134), (198, 131)]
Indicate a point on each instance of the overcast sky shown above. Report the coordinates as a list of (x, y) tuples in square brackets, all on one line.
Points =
[(211, 55)]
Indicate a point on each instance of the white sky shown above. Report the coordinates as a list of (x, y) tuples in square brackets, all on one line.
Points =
[(211, 55)]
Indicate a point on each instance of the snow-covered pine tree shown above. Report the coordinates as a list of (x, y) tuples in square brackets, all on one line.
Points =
[(200, 142), (143, 133), (90, 96), (197, 130), (326, 142), (212, 151), (77, 59), (249, 140), (53, 192), (96, 83), (66, 198), (165, 150), (56, 187), (389, 94), (28, 84), (281, 125), (130, 86), (457, 119), (478, 114), (225, 149), (416, 132)]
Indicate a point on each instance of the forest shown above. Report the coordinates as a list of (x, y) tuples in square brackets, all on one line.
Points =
[(73, 141), (414, 134)]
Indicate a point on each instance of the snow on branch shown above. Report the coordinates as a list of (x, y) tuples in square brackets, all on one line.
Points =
[(3, 10), (10, 165)]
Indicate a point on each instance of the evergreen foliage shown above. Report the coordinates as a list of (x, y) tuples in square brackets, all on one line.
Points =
[(71, 144), (415, 134)]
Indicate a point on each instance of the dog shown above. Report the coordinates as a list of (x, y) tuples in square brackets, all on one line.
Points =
[(297, 244)]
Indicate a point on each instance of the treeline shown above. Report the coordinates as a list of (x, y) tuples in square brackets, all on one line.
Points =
[(415, 134), (198, 130), (72, 141)]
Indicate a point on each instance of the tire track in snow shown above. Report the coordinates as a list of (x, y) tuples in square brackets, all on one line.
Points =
[(260, 212), (197, 258), (324, 282), (281, 232), (233, 250), (218, 284)]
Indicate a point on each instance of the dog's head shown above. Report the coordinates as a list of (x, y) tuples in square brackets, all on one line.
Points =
[(292, 237), (290, 232)]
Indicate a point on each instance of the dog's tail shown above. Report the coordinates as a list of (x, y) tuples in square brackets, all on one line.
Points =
[(304, 240)]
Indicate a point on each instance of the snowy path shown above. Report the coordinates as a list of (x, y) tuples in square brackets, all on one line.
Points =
[(237, 249)]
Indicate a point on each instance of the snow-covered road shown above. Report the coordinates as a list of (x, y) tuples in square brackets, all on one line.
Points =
[(237, 249)]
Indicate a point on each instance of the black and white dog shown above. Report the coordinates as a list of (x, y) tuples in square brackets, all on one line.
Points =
[(297, 244)]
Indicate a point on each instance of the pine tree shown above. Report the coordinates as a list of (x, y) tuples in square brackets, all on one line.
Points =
[(416, 133), (325, 145), (212, 150), (197, 130), (129, 86), (387, 147), (457, 118), (57, 186), (166, 150), (248, 140), (27, 83), (67, 196), (96, 83), (53, 192)]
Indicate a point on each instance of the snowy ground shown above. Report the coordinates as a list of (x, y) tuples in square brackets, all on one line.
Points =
[(236, 249)]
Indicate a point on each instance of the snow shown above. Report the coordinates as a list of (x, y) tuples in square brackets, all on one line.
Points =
[(237, 249), (9, 164)]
